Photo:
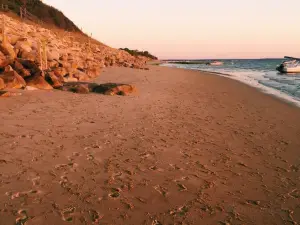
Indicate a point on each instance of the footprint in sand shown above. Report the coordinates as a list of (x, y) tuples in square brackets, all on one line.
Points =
[(163, 191), (70, 166), (175, 167), (23, 217), (155, 168), (76, 154), (115, 193), (252, 202), (128, 204), (20, 194), (36, 181), (66, 214), (90, 157), (94, 216), (129, 172), (181, 211), (64, 181), (73, 156), (156, 222), (181, 187), (294, 194), (141, 200)]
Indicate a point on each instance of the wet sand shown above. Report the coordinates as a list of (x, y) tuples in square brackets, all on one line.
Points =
[(189, 148)]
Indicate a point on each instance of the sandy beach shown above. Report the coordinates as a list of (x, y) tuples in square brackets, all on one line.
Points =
[(188, 148)]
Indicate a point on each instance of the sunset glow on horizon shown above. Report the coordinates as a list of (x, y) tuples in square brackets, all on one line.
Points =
[(191, 29)]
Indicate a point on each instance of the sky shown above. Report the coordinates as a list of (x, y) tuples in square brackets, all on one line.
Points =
[(191, 29)]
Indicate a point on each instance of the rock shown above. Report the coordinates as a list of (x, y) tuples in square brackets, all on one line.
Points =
[(53, 80), (135, 66), (114, 89), (93, 72), (81, 76), (29, 88), (5, 62), (53, 64), (17, 66), (7, 49), (35, 46), (70, 79), (64, 57), (9, 94), (80, 89), (30, 65), (126, 64), (13, 80), (52, 55), (31, 56), (23, 45), (38, 81), (13, 39), (2, 84), (60, 71), (8, 68)]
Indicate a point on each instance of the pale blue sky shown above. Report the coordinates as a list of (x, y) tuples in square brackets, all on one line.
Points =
[(192, 28)]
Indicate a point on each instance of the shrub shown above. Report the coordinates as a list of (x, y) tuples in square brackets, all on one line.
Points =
[(139, 53)]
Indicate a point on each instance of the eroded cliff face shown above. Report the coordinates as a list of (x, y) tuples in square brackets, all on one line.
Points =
[(42, 58)]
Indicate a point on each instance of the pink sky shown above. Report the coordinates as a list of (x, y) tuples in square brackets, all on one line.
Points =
[(192, 28)]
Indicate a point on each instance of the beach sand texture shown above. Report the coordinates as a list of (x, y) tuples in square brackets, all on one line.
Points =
[(188, 148)]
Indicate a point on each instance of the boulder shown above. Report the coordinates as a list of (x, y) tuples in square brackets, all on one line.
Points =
[(7, 49), (93, 72), (23, 45), (2, 84), (53, 80), (2, 57), (70, 79), (114, 89), (13, 39), (5, 62), (29, 88), (35, 46), (38, 81), (32, 66), (126, 64), (17, 66), (52, 55), (13, 80), (9, 94), (53, 64), (60, 71), (80, 89), (64, 57), (81, 76), (8, 68), (32, 56)]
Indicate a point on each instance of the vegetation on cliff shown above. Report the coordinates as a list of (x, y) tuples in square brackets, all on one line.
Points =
[(139, 53), (44, 12)]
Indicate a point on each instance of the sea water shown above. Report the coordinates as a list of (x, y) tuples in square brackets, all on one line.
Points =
[(260, 73)]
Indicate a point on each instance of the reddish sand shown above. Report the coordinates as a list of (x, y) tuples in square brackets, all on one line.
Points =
[(190, 148)]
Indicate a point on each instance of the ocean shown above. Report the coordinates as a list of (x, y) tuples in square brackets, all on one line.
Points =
[(259, 73)]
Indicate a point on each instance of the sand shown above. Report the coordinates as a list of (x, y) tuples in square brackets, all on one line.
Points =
[(189, 148)]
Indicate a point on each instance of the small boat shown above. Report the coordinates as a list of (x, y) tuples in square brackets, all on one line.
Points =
[(292, 65), (215, 63)]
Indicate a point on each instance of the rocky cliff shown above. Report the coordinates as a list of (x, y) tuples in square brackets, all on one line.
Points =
[(41, 58)]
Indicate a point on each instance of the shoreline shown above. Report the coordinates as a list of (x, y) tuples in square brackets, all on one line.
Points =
[(188, 148), (260, 87)]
